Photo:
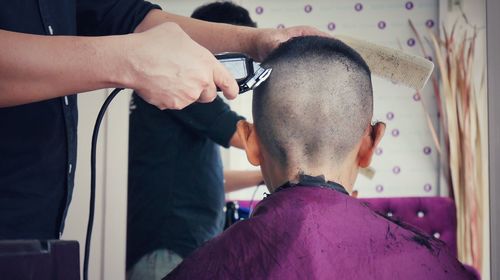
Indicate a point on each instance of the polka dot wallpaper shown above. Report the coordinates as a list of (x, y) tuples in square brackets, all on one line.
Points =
[(406, 162)]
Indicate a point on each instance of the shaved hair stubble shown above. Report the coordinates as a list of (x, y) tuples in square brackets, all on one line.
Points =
[(316, 104)]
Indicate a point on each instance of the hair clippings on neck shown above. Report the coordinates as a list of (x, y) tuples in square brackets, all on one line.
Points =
[(247, 73)]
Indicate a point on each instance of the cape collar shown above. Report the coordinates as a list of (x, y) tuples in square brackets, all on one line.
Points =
[(313, 181)]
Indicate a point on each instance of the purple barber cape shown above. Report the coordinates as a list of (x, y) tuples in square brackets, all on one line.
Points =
[(311, 232)]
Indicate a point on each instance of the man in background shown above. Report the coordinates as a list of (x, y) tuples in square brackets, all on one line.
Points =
[(176, 183)]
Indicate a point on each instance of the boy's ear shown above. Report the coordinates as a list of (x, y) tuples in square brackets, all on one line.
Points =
[(248, 136), (369, 142)]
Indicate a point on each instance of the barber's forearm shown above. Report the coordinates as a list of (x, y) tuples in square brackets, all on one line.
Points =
[(34, 68), (236, 180), (216, 37)]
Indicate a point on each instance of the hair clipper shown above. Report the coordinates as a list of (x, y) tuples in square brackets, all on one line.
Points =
[(247, 73)]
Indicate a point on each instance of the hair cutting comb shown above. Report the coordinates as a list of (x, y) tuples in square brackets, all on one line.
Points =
[(392, 64)]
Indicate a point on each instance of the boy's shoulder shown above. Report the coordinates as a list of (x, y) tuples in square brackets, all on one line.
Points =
[(303, 231), (342, 216)]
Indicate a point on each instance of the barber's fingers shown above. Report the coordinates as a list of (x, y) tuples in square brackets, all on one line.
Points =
[(309, 31), (225, 81), (208, 94)]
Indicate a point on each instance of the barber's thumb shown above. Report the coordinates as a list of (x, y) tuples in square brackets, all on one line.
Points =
[(225, 81)]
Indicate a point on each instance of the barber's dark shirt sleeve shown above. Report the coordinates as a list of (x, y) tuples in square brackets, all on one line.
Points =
[(214, 120), (110, 17)]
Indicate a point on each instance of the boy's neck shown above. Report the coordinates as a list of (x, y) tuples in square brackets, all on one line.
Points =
[(339, 175), (314, 181)]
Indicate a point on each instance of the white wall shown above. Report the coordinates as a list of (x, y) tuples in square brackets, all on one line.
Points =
[(107, 259), (76, 222)]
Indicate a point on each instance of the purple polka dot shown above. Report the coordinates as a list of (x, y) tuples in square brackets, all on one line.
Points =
[(409, 5), (438, 115), (379, 188), (280, 26), (390, 116), (429, 23), (427, 187), (379, 151), (427, 150), (429, 58), (416, 97), (331, 26), (259, 10), (308, 8), (395, 132), (410, 42), (396, 170), (381, 24), (358, 7)]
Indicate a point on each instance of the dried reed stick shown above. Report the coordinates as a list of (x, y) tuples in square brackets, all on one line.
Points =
[(461, 123)]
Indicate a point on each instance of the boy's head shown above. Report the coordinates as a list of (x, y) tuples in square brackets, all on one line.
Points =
[(313, 115), (224, 12)]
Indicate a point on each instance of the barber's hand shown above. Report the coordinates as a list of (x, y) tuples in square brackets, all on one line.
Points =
[(268, 39), (171, 71)]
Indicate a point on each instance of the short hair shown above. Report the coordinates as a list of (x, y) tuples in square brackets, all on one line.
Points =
[(224, 12), (317, 102)]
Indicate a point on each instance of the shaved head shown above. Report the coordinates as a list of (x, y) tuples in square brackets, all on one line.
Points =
[(316, 104)]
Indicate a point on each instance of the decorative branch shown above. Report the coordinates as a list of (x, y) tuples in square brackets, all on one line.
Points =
[(461, 123)]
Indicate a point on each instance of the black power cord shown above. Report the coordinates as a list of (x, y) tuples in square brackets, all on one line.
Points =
[(95, 134)]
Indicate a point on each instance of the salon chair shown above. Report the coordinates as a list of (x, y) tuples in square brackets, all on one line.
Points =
[(434, 215), (437, 216)]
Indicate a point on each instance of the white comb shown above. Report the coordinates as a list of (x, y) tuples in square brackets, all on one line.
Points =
[(392, 64)]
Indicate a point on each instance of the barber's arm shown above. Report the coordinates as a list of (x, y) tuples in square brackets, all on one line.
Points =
[(35, 68), (217, 37), (239, 179), (213, 120), (164, 63), (216, 121), (233, 179)]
